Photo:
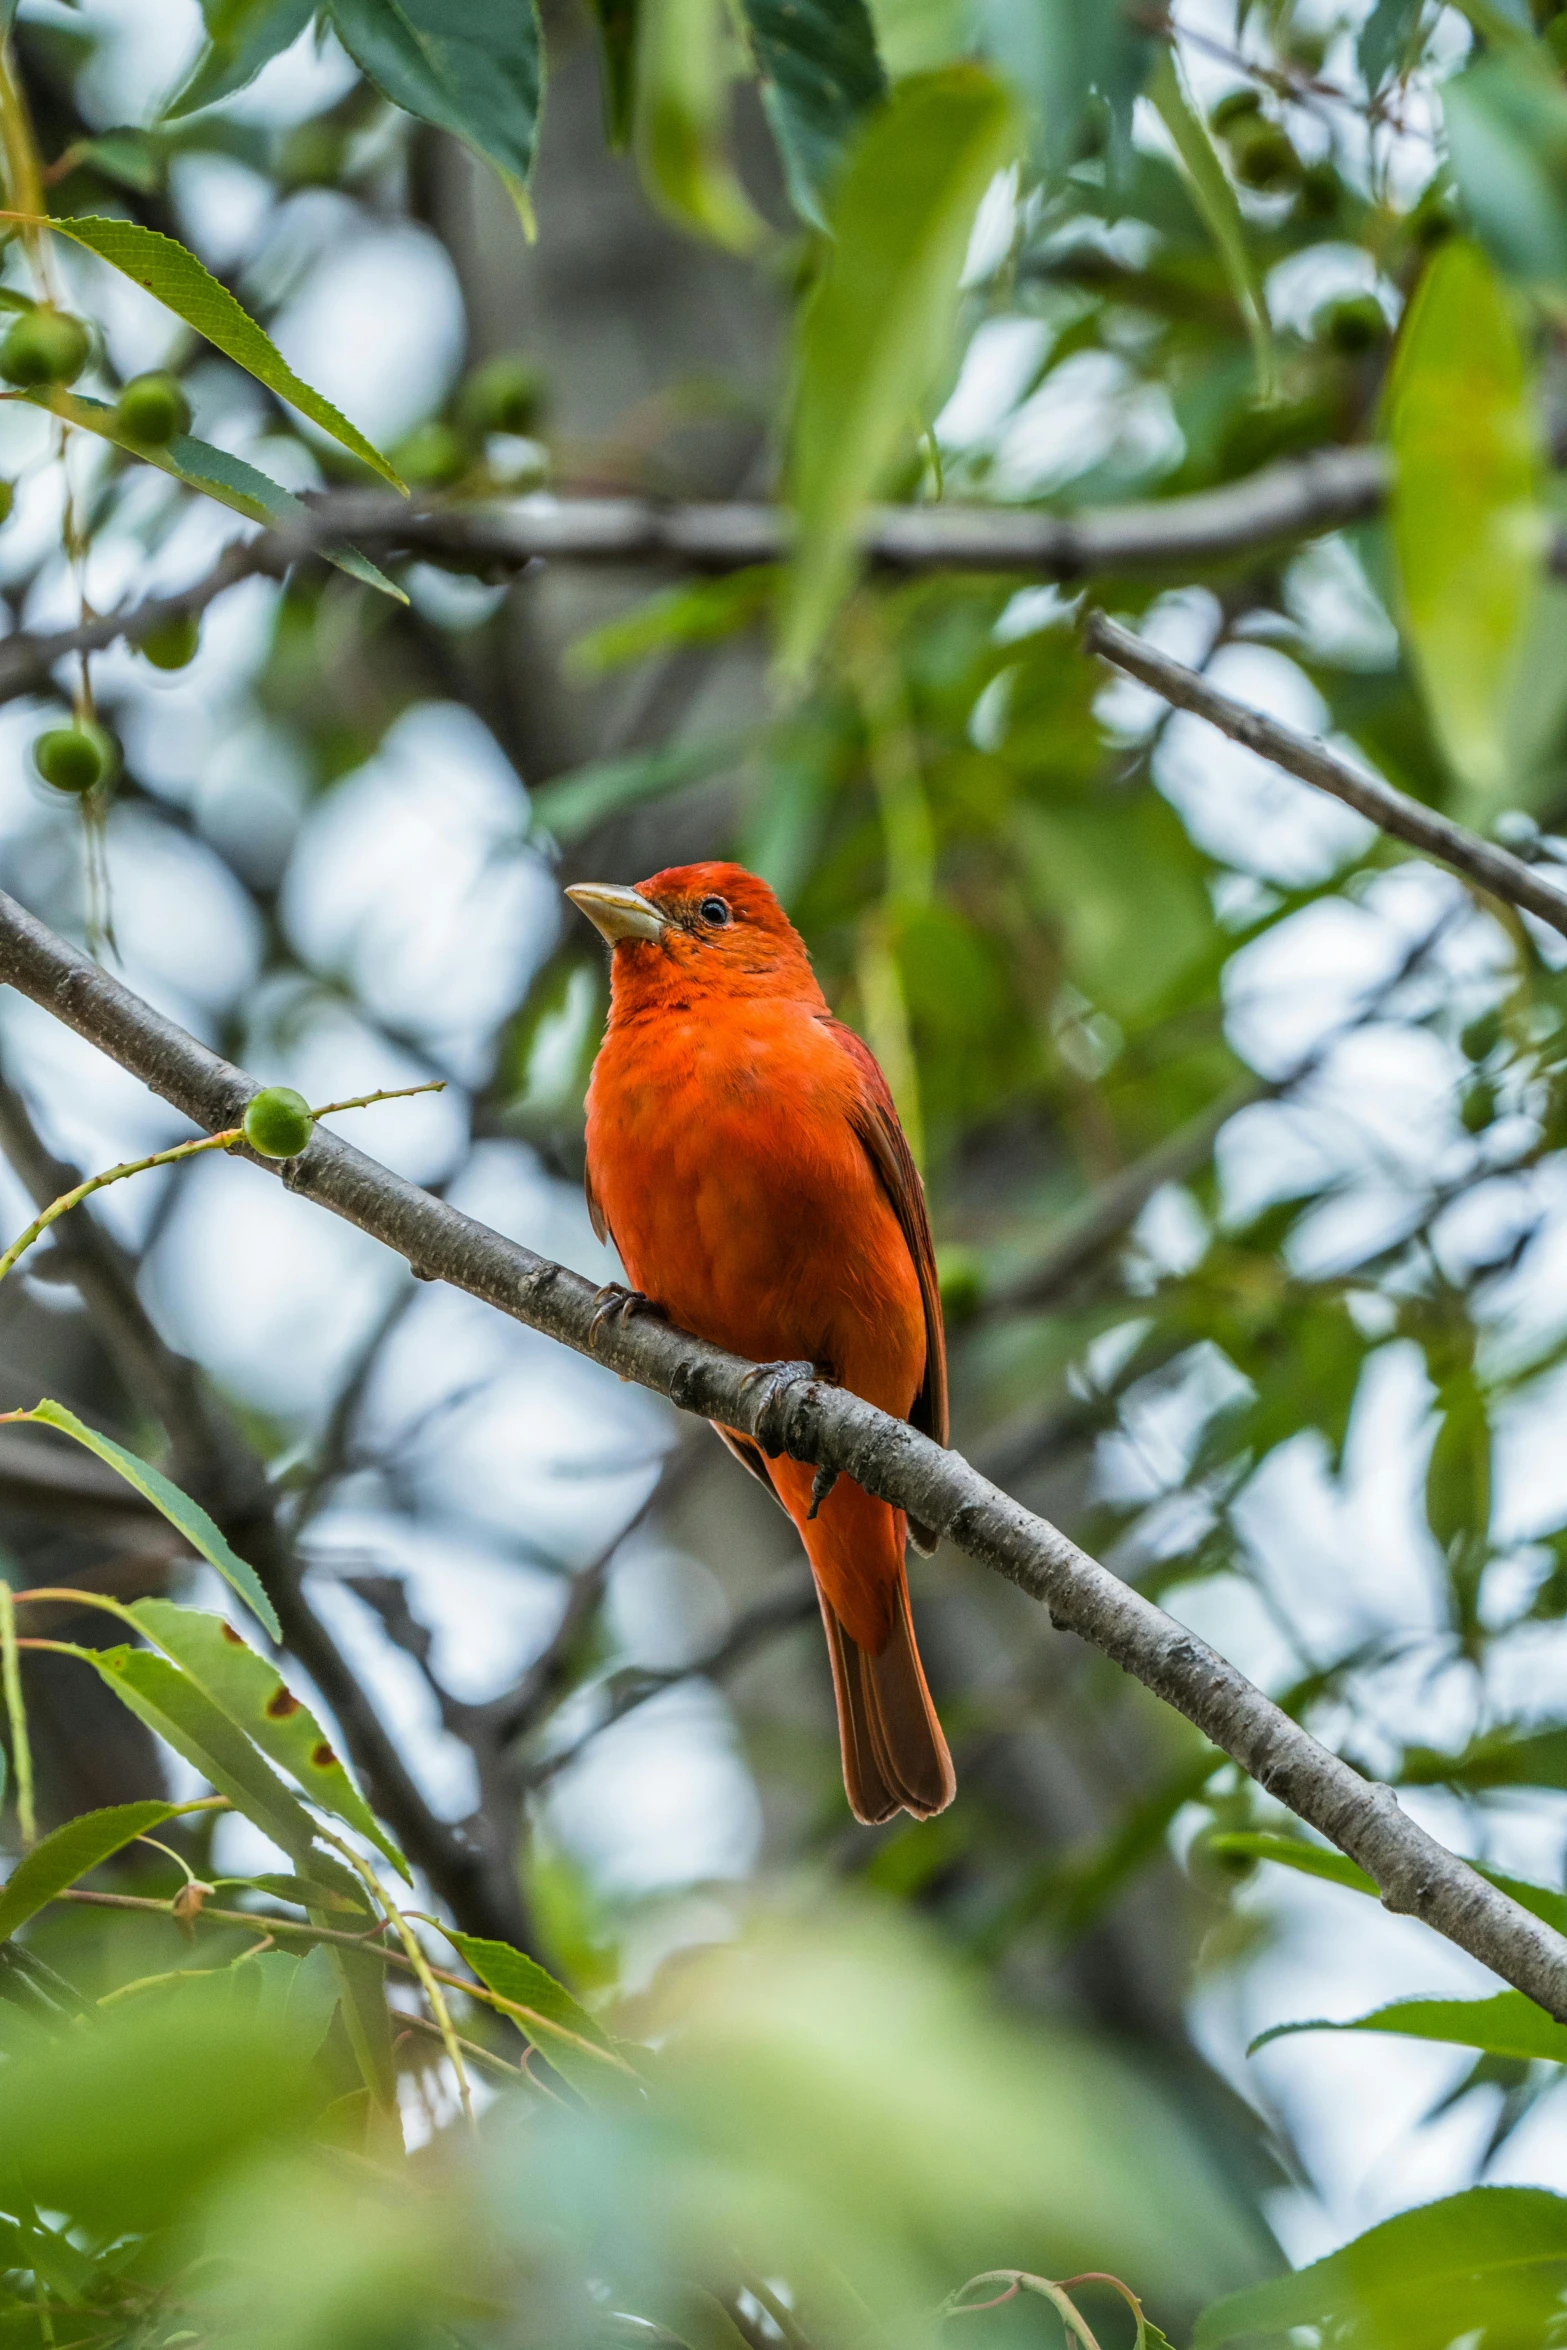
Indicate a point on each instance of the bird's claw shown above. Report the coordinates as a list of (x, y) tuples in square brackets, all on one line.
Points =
[(821, 1485), (615, 1303), (775, 1379)]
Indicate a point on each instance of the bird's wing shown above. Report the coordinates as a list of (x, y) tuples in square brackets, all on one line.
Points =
[(887, 1147), (749, 1455), (596, 1215)]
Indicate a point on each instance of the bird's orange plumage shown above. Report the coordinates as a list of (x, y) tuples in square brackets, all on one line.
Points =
[(746, 1158)]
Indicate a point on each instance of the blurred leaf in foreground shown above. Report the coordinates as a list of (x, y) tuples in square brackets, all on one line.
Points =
[(1467, 527)]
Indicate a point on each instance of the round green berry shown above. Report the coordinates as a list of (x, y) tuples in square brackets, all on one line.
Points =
[(152, 409), (74, 758), (278, 1123), (44, 347), (172, 642), (1353, 326), (504, 395), (1234, 107), (432, 456), (1264, 159)]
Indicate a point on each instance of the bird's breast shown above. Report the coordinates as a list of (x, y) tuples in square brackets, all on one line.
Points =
[(724, 1154)]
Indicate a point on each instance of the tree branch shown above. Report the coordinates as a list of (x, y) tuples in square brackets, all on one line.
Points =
[(1495, 870), (1282, 502), (826, 1425)]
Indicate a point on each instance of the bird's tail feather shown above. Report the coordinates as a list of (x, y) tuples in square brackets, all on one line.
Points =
[(894, 1755)]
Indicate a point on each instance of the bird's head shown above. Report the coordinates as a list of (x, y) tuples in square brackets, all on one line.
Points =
[(698, 926)]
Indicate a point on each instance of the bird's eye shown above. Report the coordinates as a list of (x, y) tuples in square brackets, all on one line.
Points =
[(714, 911)]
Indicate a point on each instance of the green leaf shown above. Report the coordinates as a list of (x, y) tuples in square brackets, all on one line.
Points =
[(217, 474), (171, 1704), (1216, 200), (579, 2048), (820, 74), (1506, 2024), (177, 279), (578, 801), (1319, 1860), (473, 71), (1492, 2261), (1385, 38), (256, 1698), (617, 31), (123, 2122), (1467, 530), (912, 36), (242, 37), (1063, 57), (876, 334), (188, 1516), (702, 613), (70, 1853), (1507, 144), (362, 1977), (1292, 1852), (1502, 1757), (681, 121)]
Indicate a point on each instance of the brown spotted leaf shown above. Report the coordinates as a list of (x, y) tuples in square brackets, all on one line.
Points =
[(255, 1696)]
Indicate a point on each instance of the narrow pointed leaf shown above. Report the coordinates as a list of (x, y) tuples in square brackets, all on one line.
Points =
[(188, 1516), (1491, 2262), (473, 71), (218, 475), (877, 331), (1506, 2024), (255, 1696), (242, 37), (1467, 529), (579, 2048), (366, 2016), (820, 75), (171, 1704), (1319, 1860), (70, 1853), (682, 113), (617, 30), (174, 277), (1219, 205)]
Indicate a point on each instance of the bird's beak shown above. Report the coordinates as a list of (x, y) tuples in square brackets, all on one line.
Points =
[(616, 913)]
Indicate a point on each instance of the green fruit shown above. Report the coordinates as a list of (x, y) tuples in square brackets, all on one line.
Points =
[(1264, 159), (278, 1124), (432, 456), (1234, 107), (7, 499), (1320, 191), (44, 347), (504, 395), (1478, 1106), (1353, 326), (172, 642), (74, 758), (152, 409)]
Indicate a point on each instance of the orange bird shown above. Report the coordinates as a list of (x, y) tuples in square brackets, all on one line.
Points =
[(745, 1157)]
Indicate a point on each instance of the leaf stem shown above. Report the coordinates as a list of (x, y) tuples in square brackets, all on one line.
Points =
[(16, 1718), (421, 1967)]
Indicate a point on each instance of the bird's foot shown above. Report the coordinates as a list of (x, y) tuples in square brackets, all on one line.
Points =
[(617, 1304), (775, 1381), (821, 1485)]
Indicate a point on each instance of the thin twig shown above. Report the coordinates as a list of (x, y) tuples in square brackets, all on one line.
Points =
[(16, 1718), (1494, 870), (181, 1150)]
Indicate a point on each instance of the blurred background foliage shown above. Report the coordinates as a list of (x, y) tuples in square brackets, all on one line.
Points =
[(1243, 1137)]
